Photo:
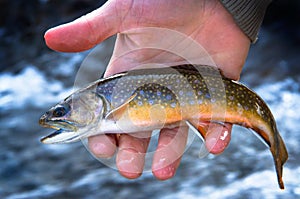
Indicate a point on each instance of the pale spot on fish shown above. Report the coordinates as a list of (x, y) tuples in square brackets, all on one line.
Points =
[(142, 92), (192, 102), (207, 95), (190, 93), (173, 104), (151, 102), (168, 97), (196, 81), (240, 108), (200, 101), (212, 89)]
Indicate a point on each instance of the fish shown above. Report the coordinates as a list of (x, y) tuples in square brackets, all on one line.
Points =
[(152, 98)]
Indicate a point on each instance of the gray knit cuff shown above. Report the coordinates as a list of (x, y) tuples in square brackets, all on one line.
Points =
[(248, 14)]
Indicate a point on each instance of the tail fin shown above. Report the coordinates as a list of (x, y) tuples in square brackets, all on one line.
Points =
[(280, 156)]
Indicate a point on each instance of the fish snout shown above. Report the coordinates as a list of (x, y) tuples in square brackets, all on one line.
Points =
[(44, 119)]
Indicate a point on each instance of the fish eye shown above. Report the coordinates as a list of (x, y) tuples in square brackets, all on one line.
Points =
[(61, 110)]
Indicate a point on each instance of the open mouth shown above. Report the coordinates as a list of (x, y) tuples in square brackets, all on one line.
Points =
[(58, 124), (65, 132), (61, 136)]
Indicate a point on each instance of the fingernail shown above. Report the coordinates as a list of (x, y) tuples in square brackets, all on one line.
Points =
[(216, 146), (163, 169), (129, 164)]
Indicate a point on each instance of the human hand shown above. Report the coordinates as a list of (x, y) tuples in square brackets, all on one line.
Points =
[(206, 22)]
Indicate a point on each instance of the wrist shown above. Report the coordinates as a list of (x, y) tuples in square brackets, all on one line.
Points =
[(248, 15), (224, 40)]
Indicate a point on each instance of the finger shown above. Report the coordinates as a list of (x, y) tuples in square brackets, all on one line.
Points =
[(171, 145), (131, 155), (102, 146), (85, 32), (218, 137)]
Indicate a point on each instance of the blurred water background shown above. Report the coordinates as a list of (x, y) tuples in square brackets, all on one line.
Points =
[(33, 78)]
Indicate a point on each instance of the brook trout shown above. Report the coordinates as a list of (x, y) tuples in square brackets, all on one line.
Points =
[(155, 98)]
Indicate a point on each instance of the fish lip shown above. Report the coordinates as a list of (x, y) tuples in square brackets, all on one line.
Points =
[(44, 139), (66, 137), (58, 124)]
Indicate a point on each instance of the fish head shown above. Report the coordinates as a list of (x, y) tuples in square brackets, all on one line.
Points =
[(73, 117)]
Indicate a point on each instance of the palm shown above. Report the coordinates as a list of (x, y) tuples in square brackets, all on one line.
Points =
[(204, 22)]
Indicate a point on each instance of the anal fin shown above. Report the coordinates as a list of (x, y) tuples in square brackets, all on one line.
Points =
[(217, 131)]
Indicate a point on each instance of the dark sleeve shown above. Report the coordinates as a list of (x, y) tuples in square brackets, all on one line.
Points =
[(248, 14)]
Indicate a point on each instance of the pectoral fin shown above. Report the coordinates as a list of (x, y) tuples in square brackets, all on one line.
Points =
[(117, 112)]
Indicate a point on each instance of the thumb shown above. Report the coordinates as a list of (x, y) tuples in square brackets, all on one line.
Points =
[(85, 32)]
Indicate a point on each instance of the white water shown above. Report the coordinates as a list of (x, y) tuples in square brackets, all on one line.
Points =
[(29, 87), (283, 98)]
